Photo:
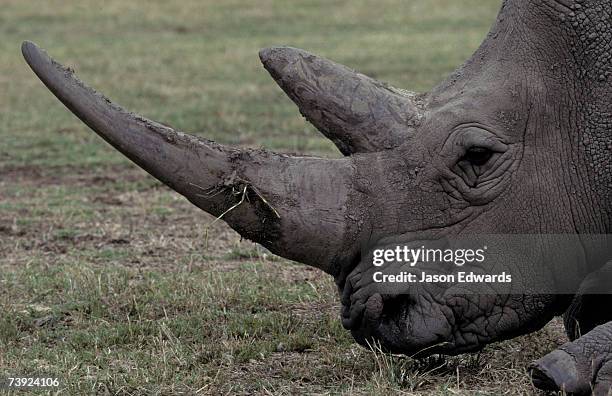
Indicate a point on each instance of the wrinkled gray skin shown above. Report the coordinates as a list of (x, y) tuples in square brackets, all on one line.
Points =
[(517, 141)]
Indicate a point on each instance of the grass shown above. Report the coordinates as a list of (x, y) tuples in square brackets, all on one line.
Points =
[(105, 277)]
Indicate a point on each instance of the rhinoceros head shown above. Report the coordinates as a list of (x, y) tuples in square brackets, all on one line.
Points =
[(515, 141)]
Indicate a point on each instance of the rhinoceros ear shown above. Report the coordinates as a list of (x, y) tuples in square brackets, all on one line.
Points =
[(358, 113)]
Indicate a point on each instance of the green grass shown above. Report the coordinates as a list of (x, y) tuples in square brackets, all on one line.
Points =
[(106, 279)]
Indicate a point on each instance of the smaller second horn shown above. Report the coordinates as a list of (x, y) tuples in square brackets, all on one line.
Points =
[(356, 112)]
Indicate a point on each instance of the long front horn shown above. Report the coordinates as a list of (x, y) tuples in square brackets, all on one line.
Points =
[(356, 112), (295, 206)]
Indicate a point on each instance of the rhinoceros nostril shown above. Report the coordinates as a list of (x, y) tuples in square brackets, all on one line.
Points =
[(373, 309)]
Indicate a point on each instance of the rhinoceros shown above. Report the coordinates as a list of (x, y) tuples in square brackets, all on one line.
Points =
[(517, 141)]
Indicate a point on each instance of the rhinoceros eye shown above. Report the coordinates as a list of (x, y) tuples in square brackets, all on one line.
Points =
[(478, 156)]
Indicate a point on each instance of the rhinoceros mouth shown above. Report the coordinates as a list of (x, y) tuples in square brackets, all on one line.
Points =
[(420, 326), (447, 296)]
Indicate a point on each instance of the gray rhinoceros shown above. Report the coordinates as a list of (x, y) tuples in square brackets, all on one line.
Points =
[(517, 141)]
